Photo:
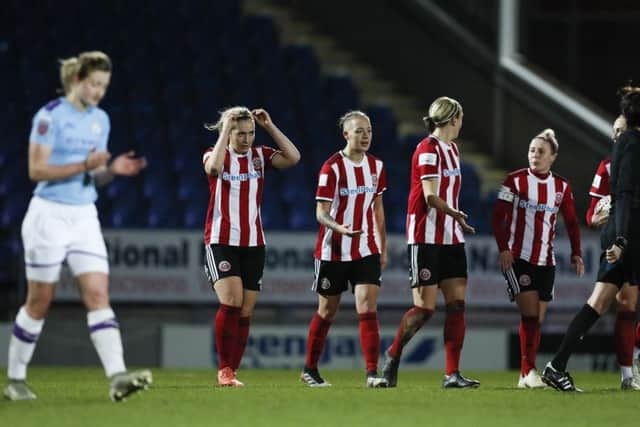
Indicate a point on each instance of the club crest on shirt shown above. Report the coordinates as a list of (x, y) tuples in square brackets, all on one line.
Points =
[(257, 163), (43, 127), (558, 198), (425, 274), (224, 266), (524, 280), (96, 128), (374, 180)]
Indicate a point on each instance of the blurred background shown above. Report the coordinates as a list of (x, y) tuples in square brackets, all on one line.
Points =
[(517, 67)]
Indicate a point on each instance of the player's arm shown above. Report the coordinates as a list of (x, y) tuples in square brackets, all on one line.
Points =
[(501, 211), (592, 219), (288, 155), (41, 170), (430, 192), (214, 162), (323, 215), (126, 164), (568, 209), (378, 213)]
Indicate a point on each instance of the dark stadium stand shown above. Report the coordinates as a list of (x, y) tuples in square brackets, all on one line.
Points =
[(169, 78)]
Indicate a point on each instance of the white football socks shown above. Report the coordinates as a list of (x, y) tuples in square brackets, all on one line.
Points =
[(26, 331), (105, 334)]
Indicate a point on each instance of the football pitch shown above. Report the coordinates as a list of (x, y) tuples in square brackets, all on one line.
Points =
[(78, 397)]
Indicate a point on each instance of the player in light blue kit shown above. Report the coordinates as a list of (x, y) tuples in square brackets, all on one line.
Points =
[(67, 158)]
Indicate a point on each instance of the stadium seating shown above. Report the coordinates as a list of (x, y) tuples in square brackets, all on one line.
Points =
[(172, 79)]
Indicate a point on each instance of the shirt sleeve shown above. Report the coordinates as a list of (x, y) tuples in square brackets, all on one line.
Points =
[(43, 128), (507, 192), (428, 161), (327, 183), (600, 184), (268, 153), (501, 213), (568, 209), (206, 155), (382, 181), (592, 209)]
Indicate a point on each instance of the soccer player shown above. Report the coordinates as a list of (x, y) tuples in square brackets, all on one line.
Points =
[(524, 221), (233, 236), (435, 228), (620, 237), (626, 334), (68, 158), (351, 248)]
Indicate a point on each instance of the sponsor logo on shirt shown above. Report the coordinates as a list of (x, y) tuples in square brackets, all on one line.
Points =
[(241, 176), (358, 190), (451, 172), (541, 207)]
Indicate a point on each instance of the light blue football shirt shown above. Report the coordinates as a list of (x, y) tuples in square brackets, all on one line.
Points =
[(72, 134)]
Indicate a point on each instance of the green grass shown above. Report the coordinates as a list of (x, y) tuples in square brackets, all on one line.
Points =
[(78, 397)]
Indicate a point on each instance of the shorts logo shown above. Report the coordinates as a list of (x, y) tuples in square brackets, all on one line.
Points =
[(224, 266), (558, 198), (325, 283), (524, 280), (43, 127), (425, 274)]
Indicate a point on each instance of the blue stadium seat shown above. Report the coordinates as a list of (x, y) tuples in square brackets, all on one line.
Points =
[(13, 210), (302, 217)]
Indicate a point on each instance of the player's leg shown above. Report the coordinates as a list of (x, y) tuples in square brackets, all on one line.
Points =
[(223, 269), (624, 334), (249, 300), (252, 270), (365, 273), (104, 331), (453, 290), (555, 374), (453, 284), (44, 237), (424, 275), (26, 330), (329, 283)]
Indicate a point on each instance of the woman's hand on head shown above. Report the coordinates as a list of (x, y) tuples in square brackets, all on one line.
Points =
[(261, 117)]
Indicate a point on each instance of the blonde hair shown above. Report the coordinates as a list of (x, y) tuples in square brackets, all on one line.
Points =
[(240, 112), (79, 67), (548, 135), (351, 115), (441, 111)]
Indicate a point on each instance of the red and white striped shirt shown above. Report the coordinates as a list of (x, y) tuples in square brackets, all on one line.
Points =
[(351, 189), (600, 185), (434, 158), (233, 216), (530, 203)]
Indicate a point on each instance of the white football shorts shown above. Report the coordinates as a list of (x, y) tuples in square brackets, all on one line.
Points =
[(55, 232)]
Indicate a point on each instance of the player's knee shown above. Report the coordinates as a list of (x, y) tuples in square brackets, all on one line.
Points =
[(38, 306), (96, 299)]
